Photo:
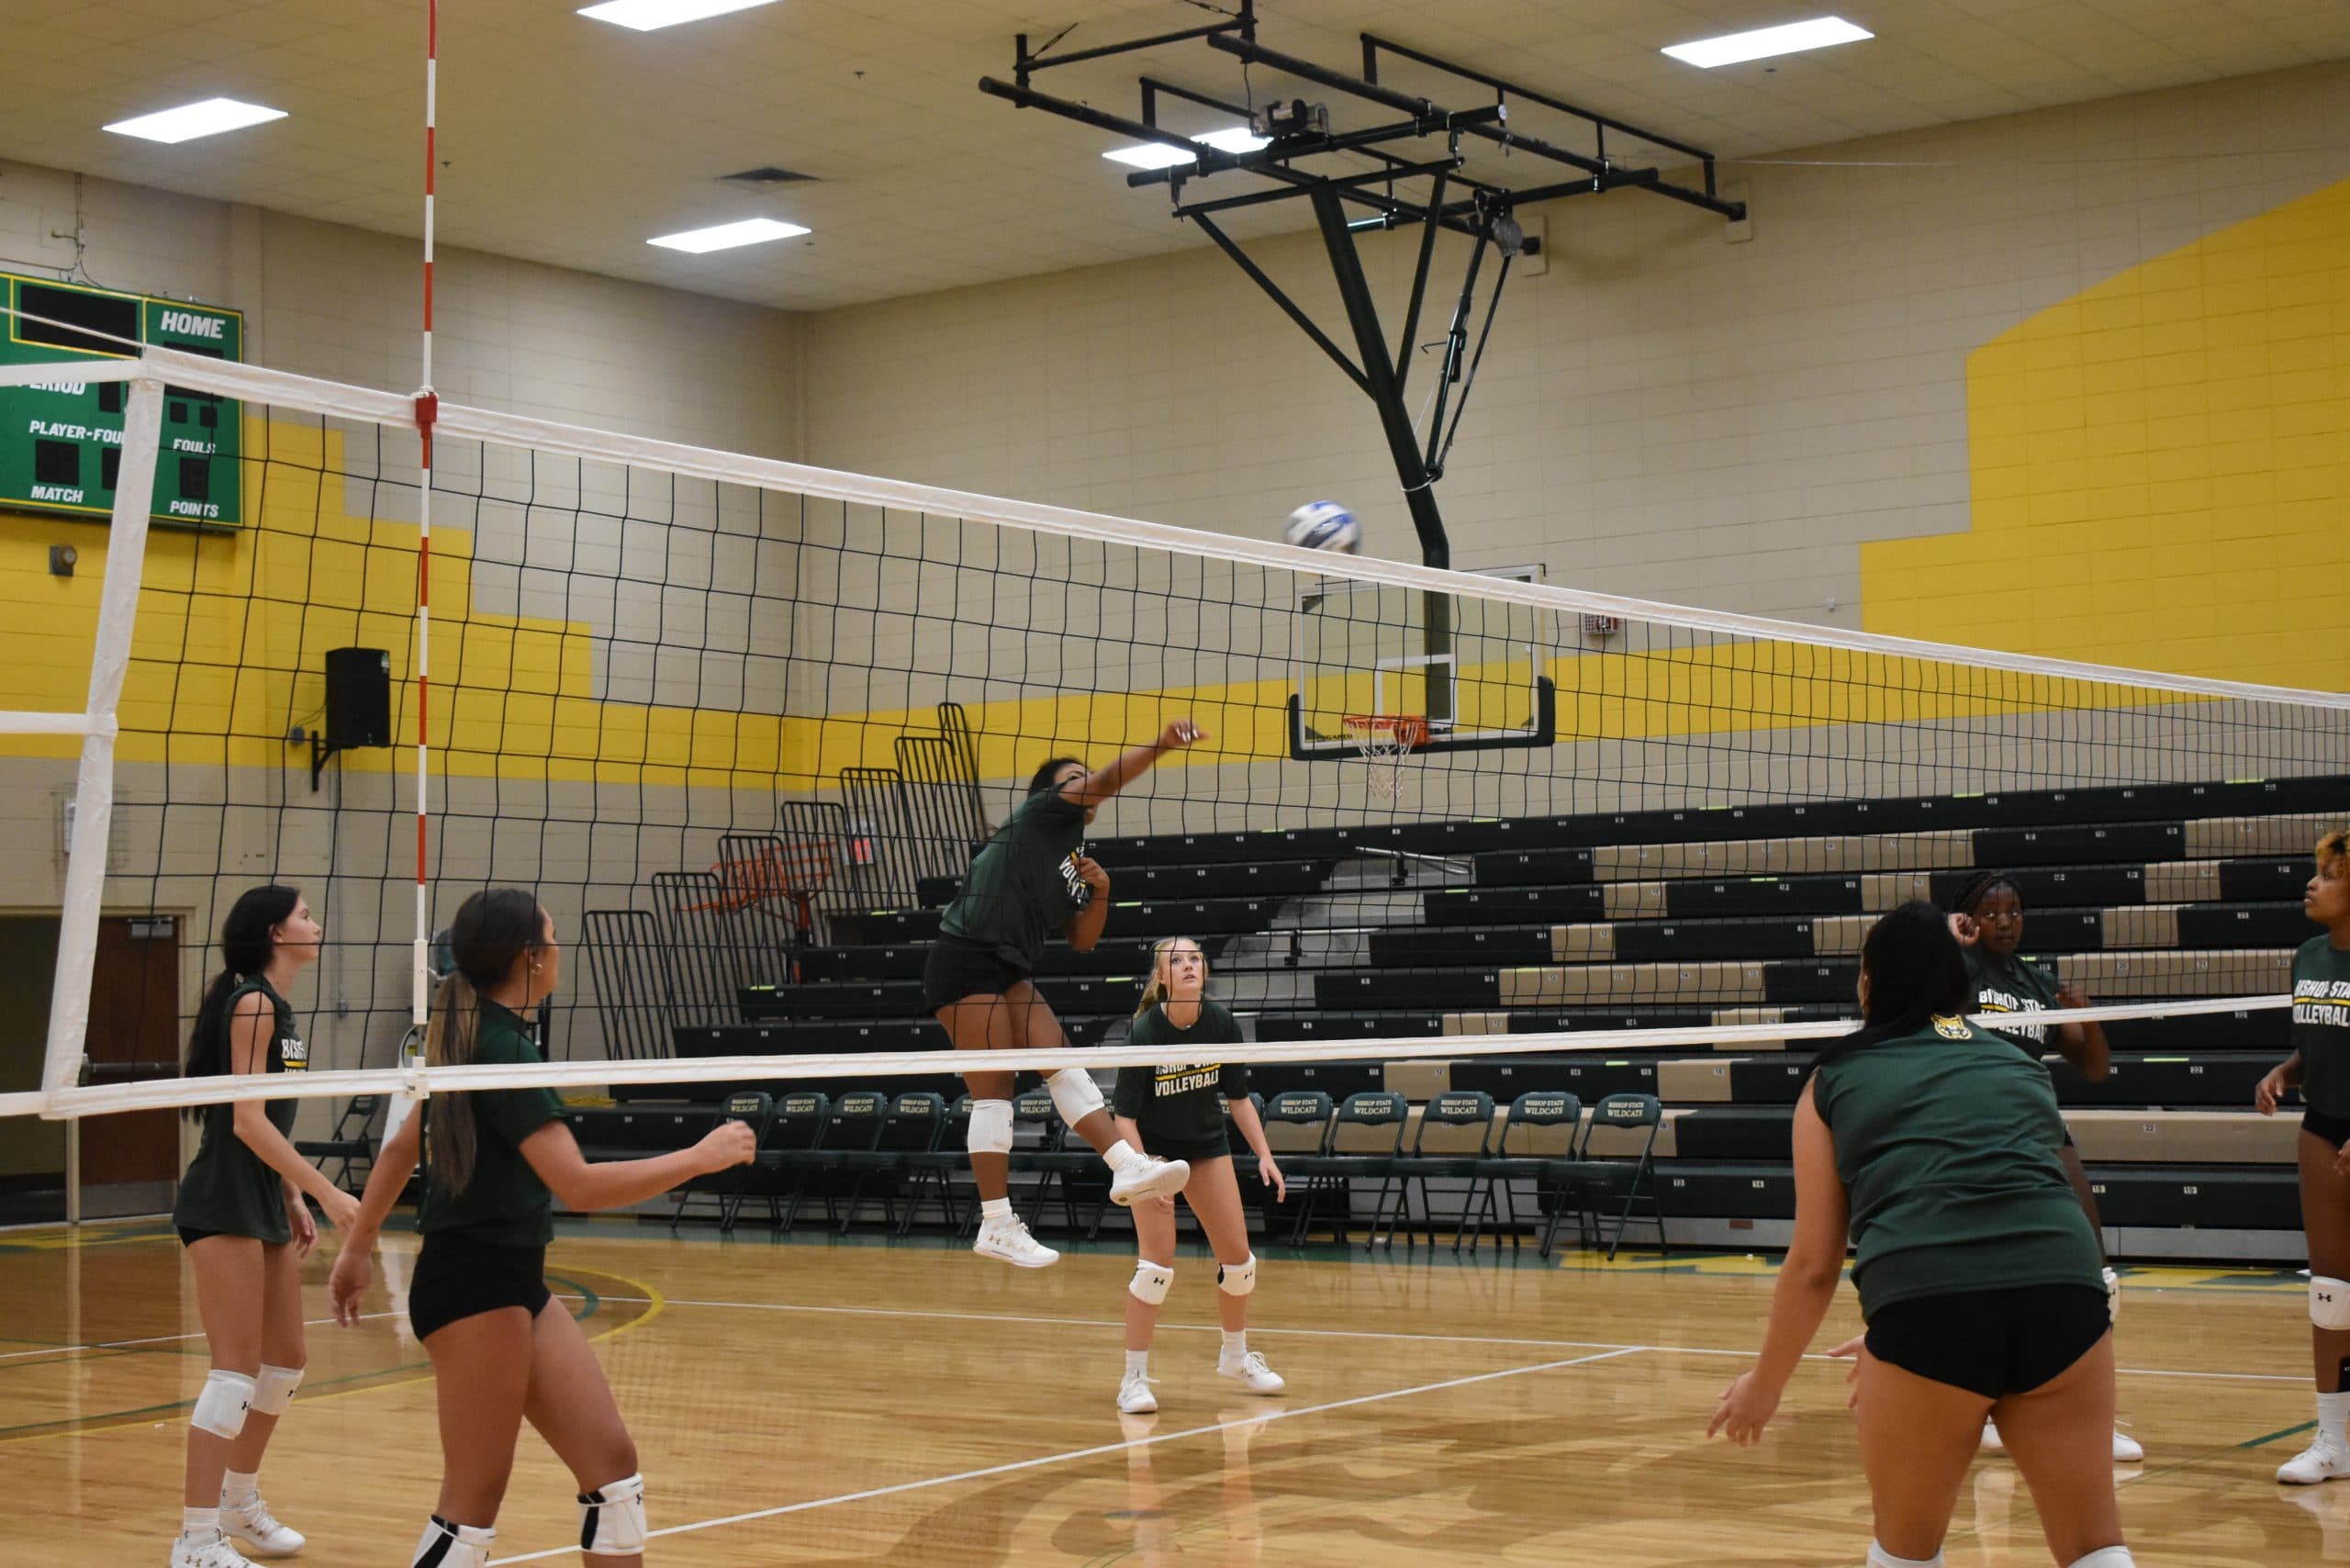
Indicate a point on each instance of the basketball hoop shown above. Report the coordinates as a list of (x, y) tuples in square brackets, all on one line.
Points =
[(1385, 741)]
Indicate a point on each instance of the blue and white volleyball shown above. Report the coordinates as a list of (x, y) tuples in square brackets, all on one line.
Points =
[(1324, 525)]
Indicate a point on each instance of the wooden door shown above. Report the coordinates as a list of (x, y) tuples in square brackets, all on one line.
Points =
[(130, 1161)]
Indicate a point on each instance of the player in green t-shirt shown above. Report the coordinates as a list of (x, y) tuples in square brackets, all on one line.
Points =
[(1032, 879), (241, 1216), (1176, 1110), (502, 1349), (1987, 919), (1932, 1145), (2320, 1069)]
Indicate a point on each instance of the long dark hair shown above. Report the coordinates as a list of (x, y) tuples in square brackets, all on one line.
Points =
[(245, 950), (494, 929), (1915, 970), (1979, 886), (1042, 779)]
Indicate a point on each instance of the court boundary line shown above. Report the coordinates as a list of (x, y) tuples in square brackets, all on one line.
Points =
[(1363, 1334), (1040, 1462)]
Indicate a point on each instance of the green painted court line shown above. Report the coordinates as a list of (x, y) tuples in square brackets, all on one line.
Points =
[(2287, 1432)]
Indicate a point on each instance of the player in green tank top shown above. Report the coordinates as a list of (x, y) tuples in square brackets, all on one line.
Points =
[(1034, 879), (1177, 1109), (503, 1348), (1987, 919), (242, 1215), (1932, 1145), (2320, 1069)]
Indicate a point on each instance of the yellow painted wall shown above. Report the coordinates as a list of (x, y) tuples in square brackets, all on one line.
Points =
[(2159, 469)]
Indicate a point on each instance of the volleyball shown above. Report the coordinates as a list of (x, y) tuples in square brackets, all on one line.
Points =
[(1324, 525)]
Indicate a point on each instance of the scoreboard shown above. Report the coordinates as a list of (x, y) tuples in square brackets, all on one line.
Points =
[(61, 441)]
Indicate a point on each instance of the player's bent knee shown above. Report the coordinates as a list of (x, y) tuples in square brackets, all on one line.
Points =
[(612, 1519), (1150, 1283), (220, 1408), (990, 1129), (2329, 1302), (1238, 1279), (273, 1389), (1075, 1094)]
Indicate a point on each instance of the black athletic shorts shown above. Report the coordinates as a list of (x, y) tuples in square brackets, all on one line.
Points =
[(457, 1276), (2334, 1130), (190, 1236), (1189, 1150), (959, 968), (1991, 1342)]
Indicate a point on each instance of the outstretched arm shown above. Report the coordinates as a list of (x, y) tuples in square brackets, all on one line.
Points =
[(1131, 764), (1807, 1281)]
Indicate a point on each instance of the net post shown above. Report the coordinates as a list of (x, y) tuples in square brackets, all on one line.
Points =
[(85, 871)]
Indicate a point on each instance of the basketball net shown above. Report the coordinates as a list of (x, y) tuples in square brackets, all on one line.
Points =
[(1385, 741)]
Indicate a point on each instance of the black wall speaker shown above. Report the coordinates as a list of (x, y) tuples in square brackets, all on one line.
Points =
[(359, 698)]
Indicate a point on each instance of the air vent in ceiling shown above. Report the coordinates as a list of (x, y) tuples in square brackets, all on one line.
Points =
[(765, 175)]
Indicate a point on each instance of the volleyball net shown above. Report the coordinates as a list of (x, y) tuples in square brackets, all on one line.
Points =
[(741, 723)]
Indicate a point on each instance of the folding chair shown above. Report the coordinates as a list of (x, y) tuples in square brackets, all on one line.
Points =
[(1454, 1137), (1538, 1143), (1366, 1140), (853, 1129), (910, 1127), (786, 1158), (1050, 1159), (939, 1165), (353, 1142), (755, 1109), (1297, 1130), (1619, 1153)]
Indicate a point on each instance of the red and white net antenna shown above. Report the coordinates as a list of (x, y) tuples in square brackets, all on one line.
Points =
[(428, 407)]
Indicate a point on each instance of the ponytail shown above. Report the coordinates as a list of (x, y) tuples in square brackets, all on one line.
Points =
[(246, 947), (1915, 970), (493, 931)]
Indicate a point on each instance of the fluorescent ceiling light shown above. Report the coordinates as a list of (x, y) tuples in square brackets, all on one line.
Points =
[(1158, 155), (726, 236), (189, 121), (1764, 42), (647, 16)]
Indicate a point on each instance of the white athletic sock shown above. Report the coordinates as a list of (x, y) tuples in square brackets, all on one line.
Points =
[(1137, 1363), (2107, 1557), (196, 1523), (1880, 1558), (240, 1487), (994, 1211), (1122, 1154), (1235, 1344), (2332, 1411)]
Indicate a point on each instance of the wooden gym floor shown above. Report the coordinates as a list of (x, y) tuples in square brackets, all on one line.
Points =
[(813, 1403)]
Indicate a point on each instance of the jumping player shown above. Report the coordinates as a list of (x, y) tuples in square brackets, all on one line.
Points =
[(1032, 878)]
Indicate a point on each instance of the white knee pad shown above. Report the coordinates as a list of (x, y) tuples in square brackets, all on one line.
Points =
[(2107, 1557), (1238, 1279), (1150, 1281), (220, 1408), (1075, 1094), (454, 1546), (273, 1389), (2329, 1302), (2112, 1296), (990, 1129), (1880, 1558), (612, 1519)]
